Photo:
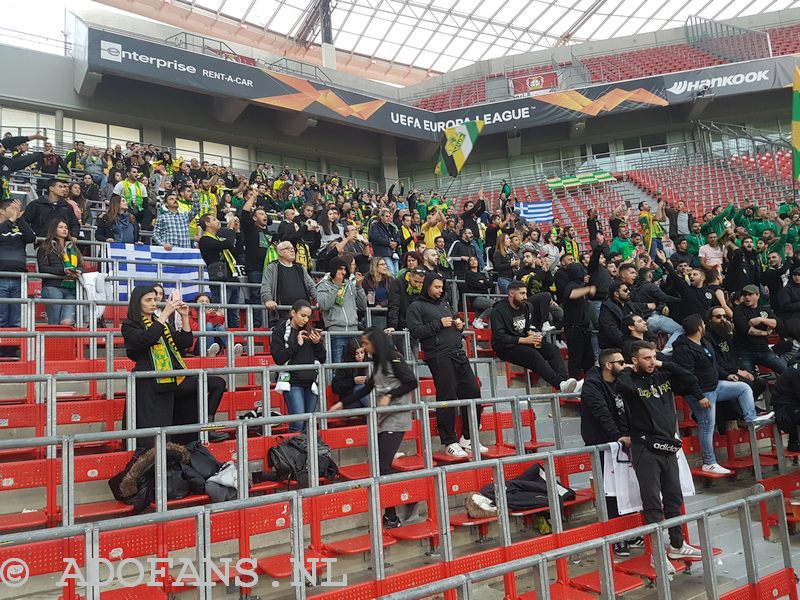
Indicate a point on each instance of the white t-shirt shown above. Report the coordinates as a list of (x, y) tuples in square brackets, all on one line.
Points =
[(713, 256)]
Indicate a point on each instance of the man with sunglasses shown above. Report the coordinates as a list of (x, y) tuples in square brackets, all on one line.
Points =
[(603, 418), (719, 331)]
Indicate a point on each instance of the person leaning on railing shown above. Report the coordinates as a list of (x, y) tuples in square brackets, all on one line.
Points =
[(154, 345)]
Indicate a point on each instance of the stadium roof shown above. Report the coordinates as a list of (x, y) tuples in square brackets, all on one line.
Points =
[(443, 35)]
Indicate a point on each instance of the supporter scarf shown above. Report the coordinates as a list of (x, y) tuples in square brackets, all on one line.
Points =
[(70, 258), (443, 262), (165, 354), (410, 289), (227, 254), (272, 256), (132, 194), (208, 201)]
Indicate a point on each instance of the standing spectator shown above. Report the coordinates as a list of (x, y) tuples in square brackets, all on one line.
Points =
[(295, 342), (593, 226), (135, 193), (786, 401), (218, 251), (710, 254), (652, 230), (154, 345), (20, 159), (78, 203), (516, 339), (434, 323), (376, 285), (393, 381), (15, 234), (43, 211), (75, 158), (48, 167), (681, 221), (383, 237), (257, 243), (753, 324), (340, 296), (117, 225), (648, 391), (613, 311), (743, 266), (623, 244), (94, 165), (603, 416), (285, 282), (469, 218), (575, 301), (59, 256), (402, 292), (504, 262), (461, 251), (432, 228), (172, 225), (91, 191)]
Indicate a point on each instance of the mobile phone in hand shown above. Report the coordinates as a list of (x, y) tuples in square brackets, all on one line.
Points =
[(175, 296)]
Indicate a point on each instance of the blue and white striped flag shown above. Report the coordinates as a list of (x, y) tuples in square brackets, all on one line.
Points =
[(536, 211), (146, 270)]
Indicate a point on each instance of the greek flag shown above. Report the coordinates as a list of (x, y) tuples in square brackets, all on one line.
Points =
[(536, 211), (145, 269)]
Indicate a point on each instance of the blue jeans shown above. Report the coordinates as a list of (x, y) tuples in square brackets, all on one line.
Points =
[(392, 265), (660, 324), (726, 391), (254, 297), (300, 400), (479, 254), (338, 345), (222, 340), (655, 244), (59, 313), (10, 314), (749, 360), (502, 284)]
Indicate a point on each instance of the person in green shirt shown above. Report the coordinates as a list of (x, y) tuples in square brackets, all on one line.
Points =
[(745, 215), (788, 206), (622, 244), (793, 229), (652, 230), (761, 223), (721, 223), (695, 239), (505, 189)]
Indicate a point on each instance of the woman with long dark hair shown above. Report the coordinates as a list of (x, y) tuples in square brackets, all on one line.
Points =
[(329, 224), (346, 381), (154, 345), (59, 256), (118, 224), (393, 381)]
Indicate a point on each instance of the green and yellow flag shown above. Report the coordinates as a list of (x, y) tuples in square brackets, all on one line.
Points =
[(796, 126), (580, 179), (458, 143)]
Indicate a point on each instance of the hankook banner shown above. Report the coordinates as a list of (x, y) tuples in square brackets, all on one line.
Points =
[(164, 64)]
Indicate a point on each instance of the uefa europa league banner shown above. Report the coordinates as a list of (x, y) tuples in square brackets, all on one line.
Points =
[(138, 59)]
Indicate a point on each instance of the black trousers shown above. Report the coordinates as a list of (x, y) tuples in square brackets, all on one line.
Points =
[(545, 360), (540, 308), (660, 487), (454, 380), (156, 408), (388, 443), (579, 344)]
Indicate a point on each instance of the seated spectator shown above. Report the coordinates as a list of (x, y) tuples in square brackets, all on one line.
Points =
[(59, 256), (117, 225), (44, 210), (348, 381), (504, 262), (214, 321), (786, 402), (478, 281), (295, 342), (789, 300), (340, 295), (410, 261), (154, 345), (393, 381), (285, 282), (696, 354), (91, 191), (753, 325), (515, 339)]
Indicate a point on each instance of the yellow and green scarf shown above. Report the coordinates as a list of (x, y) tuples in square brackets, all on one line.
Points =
[(70, 258), (227, 254), (165, 354)]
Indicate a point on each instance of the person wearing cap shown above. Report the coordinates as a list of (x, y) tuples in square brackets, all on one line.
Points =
[(790, 297), (340, 295), (517, 339), (753, 325), (435, 324)]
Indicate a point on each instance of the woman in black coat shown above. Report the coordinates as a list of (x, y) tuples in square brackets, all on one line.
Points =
[(154, 345)]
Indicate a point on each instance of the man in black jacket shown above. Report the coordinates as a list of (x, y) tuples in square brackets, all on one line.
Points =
[(15, 234), (461, 251), (773, 276), (217, 247), (613, 311), (42, 211), (743, 266), (603, 416), (648, 390), (577, 333), (402, 292), (786, 401), (682, 254), (719, 331), (696, 354), (434, 323), (257, 240), (384, 240), (10, 164), (790, 297), (515, 339), (753, 325)]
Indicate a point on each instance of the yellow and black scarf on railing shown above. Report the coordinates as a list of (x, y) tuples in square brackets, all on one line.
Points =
[(165, 354)]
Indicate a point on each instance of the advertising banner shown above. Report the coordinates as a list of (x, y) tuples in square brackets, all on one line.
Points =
[(110, 52)]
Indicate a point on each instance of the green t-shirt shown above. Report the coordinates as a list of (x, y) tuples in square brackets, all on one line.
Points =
[(694, 241), (759, 226), (786, 208), (625, 247)]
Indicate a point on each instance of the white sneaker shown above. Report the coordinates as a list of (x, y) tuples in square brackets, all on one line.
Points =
[(479, 323), (467, 445), (670, 567), (685, 551), (547, 328), (213, 349), (578, 386), (398, 455), (762, 420), (238, 350), (716, 469), (456, 451), (568, 386)]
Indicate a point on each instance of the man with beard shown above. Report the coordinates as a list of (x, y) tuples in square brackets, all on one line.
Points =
[(790, 297), (775, 276), (402, 292), (515, 339), (434, 323), (743, 266), (753, 325), (613, 311)]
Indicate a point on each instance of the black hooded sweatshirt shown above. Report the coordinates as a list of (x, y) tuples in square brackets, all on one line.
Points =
[(699, 359), (603, 415), (576, 311), (424, 319)]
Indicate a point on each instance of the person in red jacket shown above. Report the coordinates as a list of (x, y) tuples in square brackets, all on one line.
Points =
[(215, 321)]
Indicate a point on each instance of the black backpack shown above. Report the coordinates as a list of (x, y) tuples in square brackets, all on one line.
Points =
[(289, 460)]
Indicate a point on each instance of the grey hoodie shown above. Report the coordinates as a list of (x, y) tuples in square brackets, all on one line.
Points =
[(340, 317)]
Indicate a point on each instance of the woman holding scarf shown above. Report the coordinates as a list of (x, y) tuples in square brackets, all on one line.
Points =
[(154, 345), (59, 256)]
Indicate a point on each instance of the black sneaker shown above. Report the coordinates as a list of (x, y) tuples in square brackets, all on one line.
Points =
[(793, 446), (390, 523), (218, 436), (637, 542), (621, 549)]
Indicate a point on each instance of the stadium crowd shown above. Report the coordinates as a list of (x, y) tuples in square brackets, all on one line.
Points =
[(656, 301)]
